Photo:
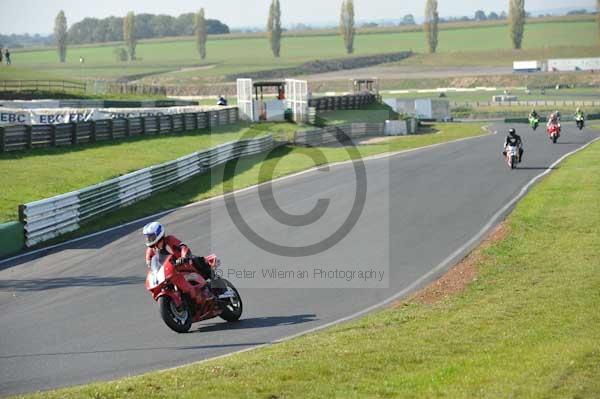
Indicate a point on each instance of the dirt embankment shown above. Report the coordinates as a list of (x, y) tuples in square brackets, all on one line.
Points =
[(459, 276), (534, 81), (321, 66)]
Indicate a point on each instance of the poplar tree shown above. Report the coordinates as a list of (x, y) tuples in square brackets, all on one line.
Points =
[(200, 30), (598, 15), (347, 28), (516, 16), (431, 25), (274, 27), (60, 35), (129, 34)]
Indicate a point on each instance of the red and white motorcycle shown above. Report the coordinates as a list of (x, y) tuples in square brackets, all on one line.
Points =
[(553, 131), (512, 156), (185, 297)]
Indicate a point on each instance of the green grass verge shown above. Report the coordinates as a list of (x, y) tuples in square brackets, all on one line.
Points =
[(526, 327), (43, 173)]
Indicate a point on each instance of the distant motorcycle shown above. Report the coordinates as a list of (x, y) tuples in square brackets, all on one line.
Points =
[(534, 123), (553, 132), (184, 296), (512, 156), (580, 120)]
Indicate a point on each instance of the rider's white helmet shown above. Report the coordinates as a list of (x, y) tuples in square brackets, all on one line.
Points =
[(153, 232)]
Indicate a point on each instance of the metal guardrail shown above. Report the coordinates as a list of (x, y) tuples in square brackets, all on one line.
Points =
[(49, 218), (543, 119), (24, 137), (87, 103), (41, 85), (341, 133), (528, 103)]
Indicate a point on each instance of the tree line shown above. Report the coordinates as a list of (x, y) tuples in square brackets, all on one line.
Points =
[(147, 26), (133, 27), (516, 17)]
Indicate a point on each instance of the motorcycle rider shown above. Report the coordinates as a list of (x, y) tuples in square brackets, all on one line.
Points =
[(157, 242), (222, 101), (554, 119), (533, 114), (513, 139), (579, 113)]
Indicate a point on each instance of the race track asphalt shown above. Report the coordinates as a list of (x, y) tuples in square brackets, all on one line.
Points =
[(80, 312)]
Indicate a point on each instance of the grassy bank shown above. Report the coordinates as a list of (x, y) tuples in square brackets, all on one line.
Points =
[(525, 327)]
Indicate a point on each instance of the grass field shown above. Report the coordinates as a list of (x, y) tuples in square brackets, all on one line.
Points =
[(180, 59), (525, 327)]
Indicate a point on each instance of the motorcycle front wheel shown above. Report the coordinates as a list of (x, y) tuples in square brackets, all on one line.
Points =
[(233, 307), (178, 319)]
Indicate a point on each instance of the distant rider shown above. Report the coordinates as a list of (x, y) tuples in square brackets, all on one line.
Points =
[(513, 139), (579, 114), (222, 101), (158, 243), (534, 114), (554, 119)]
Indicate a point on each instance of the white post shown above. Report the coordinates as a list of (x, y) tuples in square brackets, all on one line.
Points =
[(244, 99)]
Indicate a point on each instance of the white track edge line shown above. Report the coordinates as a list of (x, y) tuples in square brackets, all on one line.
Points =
[(220, 196)]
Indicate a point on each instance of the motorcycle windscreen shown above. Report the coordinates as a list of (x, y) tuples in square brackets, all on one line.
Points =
[(156, 265)]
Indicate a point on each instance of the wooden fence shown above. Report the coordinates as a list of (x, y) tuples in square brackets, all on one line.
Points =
[(42, 85)]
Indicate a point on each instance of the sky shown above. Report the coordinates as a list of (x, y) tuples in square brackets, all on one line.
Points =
[(37, 16)]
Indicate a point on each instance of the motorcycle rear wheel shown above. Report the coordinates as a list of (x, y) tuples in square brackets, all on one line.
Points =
[(178, 319)]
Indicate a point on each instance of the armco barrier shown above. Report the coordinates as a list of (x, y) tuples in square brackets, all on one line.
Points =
[(24, 137), (11, 237), (49, 218), (340, 133)]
